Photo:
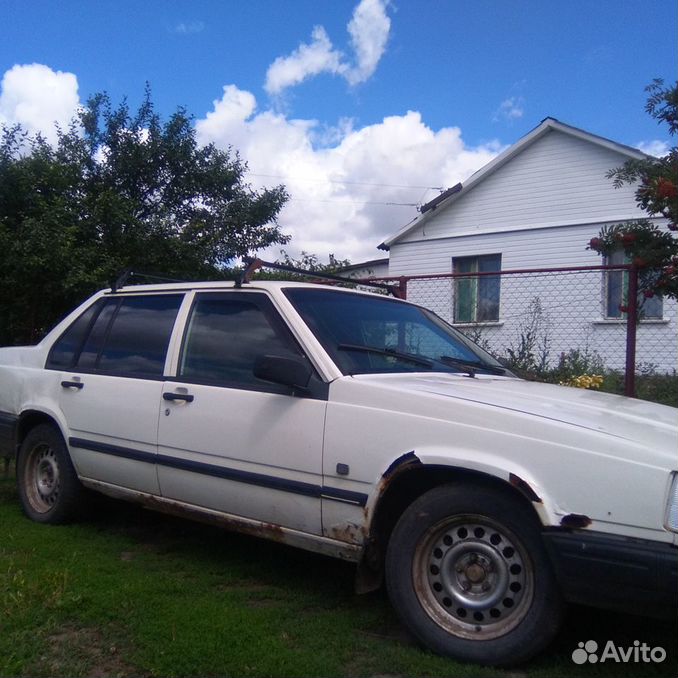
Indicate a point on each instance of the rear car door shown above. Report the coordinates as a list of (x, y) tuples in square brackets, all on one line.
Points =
[(233, 443), (112, 360)]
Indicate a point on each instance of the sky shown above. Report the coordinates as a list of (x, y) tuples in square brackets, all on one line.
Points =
[(363, 109)]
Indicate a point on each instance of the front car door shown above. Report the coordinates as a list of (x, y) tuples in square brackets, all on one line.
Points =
[(233, 443)]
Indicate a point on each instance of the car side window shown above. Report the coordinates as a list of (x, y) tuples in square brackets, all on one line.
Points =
[(225, 336), (67, 347), (126, 336), (137, 340), (89, 355)]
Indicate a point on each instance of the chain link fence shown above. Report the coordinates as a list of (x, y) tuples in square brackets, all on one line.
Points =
[(578, 320)]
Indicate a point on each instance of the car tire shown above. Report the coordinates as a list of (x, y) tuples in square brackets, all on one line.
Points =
[(48, 485), (468, 574)]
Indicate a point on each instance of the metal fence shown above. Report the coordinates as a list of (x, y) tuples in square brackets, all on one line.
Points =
[(590, 319)]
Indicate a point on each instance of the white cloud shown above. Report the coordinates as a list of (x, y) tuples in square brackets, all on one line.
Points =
[(654, 147), (339, 176), (368, 28), (510, 109), (306, 61), (189, 28), (37, 97), (326, 215)]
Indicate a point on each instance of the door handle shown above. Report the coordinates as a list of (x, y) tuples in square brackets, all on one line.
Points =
[(178, 396), (72, 384)]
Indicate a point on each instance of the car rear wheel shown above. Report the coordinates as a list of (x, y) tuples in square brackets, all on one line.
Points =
[(49, 489), (467, 573)]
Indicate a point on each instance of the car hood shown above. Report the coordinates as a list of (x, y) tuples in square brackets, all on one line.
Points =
[(650, 425)]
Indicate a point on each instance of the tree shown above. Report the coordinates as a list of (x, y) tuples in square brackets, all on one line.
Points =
[(650, 248), (118, 191)]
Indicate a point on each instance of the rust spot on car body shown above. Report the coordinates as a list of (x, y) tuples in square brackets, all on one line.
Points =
[(524, 487), (265, 530), (397, 466), (575, 520), (347, 532)]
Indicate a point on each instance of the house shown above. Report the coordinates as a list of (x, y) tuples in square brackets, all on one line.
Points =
[(535, 206), (374, 268)]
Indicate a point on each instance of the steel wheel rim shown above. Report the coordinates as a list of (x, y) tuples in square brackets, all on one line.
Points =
[(473, 577), (42, 480)]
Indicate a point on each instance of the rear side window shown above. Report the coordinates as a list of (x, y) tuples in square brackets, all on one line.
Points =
[(138, 338), (124, 335), (66, 349)]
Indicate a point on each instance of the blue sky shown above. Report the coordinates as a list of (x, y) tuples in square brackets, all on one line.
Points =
[(332, 98)]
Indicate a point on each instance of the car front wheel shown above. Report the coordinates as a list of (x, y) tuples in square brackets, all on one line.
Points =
[(467, 573)]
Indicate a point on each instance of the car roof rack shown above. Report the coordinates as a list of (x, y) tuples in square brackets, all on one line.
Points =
[(254, 264), (124, 278)]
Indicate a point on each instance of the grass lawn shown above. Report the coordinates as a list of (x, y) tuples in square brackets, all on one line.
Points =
[(131, 593)]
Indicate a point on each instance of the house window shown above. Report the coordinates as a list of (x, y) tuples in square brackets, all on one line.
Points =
[(616, 292), (476, 299)]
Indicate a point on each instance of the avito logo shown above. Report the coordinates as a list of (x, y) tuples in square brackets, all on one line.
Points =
[(637, 653)]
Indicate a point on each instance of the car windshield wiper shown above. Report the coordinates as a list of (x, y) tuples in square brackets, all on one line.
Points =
[(407, 357), (471, 366)]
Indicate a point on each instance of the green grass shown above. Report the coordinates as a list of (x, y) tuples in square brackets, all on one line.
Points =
[(131, 593)]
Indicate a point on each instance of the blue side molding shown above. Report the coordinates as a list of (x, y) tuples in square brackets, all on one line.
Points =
[(237, 475)]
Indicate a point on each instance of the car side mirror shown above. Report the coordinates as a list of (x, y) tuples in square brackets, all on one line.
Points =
[(283, 370)]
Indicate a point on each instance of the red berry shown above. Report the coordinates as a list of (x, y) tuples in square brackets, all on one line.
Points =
[(648, 294), (594, 243), (639, 262), (666, 189)]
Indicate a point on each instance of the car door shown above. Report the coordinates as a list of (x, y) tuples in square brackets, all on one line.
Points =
[(233, 443), (112, 361)]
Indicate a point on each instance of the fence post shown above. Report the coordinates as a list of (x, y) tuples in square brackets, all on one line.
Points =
[(631, 328), (402, 287)]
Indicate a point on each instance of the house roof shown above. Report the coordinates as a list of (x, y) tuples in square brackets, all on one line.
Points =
[(448, 197), (365, 264)]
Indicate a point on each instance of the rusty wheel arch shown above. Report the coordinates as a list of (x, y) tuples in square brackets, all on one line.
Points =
[(405, 481)]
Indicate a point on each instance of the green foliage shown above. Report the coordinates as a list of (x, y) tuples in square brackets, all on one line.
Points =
[(648, 247), (576, 363), (531, 353), (312, 263), (651, 249), (656, 190), (650, 385), (119, 190)]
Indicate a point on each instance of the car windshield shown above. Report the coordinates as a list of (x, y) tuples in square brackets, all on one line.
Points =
[(371, 333)]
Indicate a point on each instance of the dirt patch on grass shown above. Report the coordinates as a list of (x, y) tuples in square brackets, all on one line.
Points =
[(73, 651)]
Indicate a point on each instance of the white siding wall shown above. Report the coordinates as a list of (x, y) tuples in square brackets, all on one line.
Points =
[(573, 305), (557, 180)]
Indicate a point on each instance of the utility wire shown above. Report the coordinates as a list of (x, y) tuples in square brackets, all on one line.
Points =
[(352, 202), (348, 183)]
